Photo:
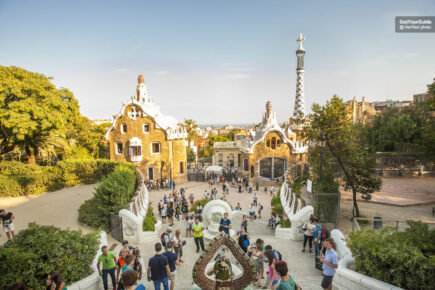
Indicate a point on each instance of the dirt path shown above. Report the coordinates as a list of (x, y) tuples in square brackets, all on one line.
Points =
[(59, 208)]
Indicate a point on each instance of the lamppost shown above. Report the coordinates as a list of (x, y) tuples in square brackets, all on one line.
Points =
[(322, 143)]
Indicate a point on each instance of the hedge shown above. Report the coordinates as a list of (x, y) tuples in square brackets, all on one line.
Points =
[(17, 178), (36, 251), (279, 211), (405, 259), (112, 195)]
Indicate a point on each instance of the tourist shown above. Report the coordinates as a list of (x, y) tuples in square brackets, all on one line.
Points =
[(271, 190), (276, 222), (198, 233), (238, 207), (243, 240), (286, 281), (160, 206), (138, 262), (178, 245), (330, 263), (121, 260), (173, 185), (199, 208), (251, 212), (265, 189), (255, 198), (271, 220), (308, 229), (129, 279), (257, 185), (126, 245), (8, 226), (128, 265), (245, 223), (109, 261), (184, 209), (188, 226), (250, 187), (178, 212), (55, 281), (191, 199), (225, 224), (172, 262), (165, 198), (272, 277), (158, 269), (277, 254), (260, 209), (318, 236), (166, 236), (240, 187), (256, 252), (164, 213)]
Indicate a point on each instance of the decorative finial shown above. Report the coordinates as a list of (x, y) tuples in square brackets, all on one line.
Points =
[(300, 40), (140, 79)]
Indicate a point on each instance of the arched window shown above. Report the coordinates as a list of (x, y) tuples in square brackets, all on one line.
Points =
[(273, 142), (268, 143), (278, 142)]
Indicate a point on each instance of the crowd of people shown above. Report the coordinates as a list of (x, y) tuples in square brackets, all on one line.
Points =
[(127, 268)]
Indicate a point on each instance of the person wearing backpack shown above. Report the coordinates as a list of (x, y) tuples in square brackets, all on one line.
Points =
[(166, 237), (244, 242), (318, 236), (277, 254)]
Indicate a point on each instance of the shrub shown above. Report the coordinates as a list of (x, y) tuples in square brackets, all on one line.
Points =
[(404, 259), (284, 222), (36, 251), (112, 195), (9, 186), (149, 221), (203, 202)]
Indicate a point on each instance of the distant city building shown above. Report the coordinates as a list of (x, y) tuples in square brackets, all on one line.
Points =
[(361, 112), (380, 107), (155, 143), (419, 98)]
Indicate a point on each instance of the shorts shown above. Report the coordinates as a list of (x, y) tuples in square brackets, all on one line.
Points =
[(252, 213), (172, 276), (9, 228), (326, 281)]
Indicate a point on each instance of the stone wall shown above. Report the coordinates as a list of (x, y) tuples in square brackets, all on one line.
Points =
[(298, 215), (405, 166)]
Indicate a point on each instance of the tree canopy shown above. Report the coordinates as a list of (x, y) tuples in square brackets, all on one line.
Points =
[(345, 143), (40, 119)]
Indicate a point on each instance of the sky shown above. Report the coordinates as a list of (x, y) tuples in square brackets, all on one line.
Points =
[(219, 62)]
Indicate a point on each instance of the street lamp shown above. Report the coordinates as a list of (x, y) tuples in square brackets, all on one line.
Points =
[(322, 143)]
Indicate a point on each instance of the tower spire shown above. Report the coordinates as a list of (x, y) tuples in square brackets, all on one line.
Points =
[(299, 109)]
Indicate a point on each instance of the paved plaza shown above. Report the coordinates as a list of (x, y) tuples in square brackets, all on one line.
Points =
[(402, 191)]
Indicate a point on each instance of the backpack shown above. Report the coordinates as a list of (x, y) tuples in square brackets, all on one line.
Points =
[(162, 239), (325, 234), (275, 252)]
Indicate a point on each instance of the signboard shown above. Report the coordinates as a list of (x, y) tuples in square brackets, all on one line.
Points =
[(309, 186)]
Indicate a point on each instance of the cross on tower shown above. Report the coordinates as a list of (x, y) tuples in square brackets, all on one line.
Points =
[(133, 114)]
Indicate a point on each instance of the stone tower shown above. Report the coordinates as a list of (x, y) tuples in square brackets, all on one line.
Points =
[(299, 109)]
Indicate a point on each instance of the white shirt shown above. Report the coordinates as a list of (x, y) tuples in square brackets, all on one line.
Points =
[(164, 212), (251, 209)]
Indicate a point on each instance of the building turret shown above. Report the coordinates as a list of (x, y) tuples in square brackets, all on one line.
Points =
[(299, 109)]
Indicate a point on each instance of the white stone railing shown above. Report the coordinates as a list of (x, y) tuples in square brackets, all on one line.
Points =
[(347, 279), (135, 212), (92, 281), (292, 209)]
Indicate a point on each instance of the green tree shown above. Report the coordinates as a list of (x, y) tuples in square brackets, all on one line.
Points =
[(32, 111), (347, 145)]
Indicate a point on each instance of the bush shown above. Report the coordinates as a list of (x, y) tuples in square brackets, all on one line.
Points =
[(149, 221), (203, 202), (36, 251), (284, 222), (112, 195), (404, 259), (17, 178)]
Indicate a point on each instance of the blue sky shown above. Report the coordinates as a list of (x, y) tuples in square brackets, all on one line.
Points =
[(218, 61)]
